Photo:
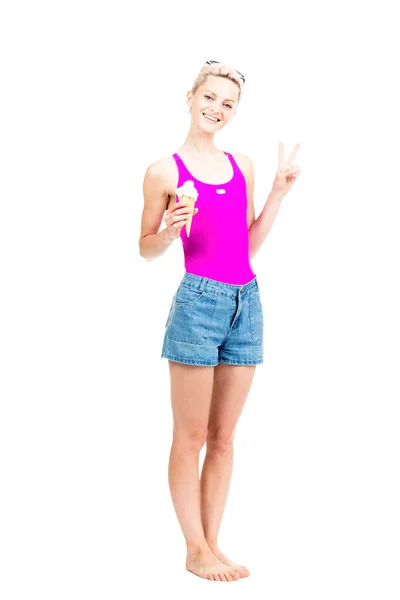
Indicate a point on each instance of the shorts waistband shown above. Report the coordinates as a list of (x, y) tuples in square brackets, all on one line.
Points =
[(228, 289)]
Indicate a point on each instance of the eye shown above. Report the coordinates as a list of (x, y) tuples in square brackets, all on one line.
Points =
[(207, 96)]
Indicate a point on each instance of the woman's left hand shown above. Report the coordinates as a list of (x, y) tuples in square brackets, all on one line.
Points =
[(286, 173)]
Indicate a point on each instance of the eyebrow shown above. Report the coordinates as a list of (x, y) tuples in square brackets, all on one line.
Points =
[(216, 94)]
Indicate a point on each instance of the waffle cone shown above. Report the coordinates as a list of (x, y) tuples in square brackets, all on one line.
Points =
[(190, 202)]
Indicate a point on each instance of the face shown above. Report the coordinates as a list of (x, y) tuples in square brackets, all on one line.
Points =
[(218, 98)]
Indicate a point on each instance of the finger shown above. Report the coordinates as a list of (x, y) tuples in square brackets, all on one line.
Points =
[(180, 218), (177, 226), (281, 159), (181, 211), (293, 154), (185, 206)]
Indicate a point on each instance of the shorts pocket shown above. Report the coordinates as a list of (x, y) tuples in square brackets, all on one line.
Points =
[(186, 295), (256, 318), (192, 318)]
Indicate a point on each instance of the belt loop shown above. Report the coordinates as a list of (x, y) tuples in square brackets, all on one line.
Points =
[(203, 284)]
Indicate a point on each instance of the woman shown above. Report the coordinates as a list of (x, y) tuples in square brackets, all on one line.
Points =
[(214, 331)]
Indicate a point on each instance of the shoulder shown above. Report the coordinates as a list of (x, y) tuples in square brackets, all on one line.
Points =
[(161, 179), (161, 168), (162, 173), (245, 164)]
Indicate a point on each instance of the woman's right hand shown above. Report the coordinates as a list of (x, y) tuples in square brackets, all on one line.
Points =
[(177, 217)]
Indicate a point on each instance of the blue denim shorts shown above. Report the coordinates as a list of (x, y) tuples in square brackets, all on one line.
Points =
[(211, 322)]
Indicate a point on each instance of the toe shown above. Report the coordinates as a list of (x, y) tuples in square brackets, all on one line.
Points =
[(243, 570)]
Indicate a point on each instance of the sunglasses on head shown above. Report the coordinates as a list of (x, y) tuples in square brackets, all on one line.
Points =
[(216, 62)]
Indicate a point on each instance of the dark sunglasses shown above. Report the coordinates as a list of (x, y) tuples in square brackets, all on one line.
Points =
[(217, 62)]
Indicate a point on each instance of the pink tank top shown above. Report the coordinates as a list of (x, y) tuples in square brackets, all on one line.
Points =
[(218, 244)]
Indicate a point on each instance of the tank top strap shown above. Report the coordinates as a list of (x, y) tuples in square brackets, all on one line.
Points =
[(236, 170), (182, 170)]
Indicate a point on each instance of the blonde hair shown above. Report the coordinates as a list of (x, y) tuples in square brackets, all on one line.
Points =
[(220, 70)]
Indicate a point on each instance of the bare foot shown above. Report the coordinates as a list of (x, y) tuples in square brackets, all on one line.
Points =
[(240, 569), (206, 565)]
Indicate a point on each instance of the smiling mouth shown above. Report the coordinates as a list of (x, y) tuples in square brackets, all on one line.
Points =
[(211, 120)]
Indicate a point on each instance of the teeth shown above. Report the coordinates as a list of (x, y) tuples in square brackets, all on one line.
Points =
[(210, 118)]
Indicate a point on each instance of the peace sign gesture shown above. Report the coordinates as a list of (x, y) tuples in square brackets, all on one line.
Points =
[(286, 173)]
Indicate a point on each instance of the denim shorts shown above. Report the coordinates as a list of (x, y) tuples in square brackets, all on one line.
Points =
[(211, 322)]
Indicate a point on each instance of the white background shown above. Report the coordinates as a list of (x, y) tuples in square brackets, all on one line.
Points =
[(92, 93)]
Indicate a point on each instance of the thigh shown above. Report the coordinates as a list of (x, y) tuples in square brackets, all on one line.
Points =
[(191, 391), (230, 389)]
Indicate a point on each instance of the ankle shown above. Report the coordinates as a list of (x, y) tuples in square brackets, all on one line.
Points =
[(196, 548), (212, 544)]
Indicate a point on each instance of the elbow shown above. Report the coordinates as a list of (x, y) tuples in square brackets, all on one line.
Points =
[(141, 250), (143, 254), (146, 258), (252, 254)]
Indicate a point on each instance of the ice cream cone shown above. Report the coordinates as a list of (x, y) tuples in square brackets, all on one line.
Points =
[(190, 201), (188, 193)]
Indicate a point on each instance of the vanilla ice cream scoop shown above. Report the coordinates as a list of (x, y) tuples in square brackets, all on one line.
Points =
[(188, 193), (187, 189)]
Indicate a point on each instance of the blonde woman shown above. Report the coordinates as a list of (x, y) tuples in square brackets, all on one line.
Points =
[(214, 331)]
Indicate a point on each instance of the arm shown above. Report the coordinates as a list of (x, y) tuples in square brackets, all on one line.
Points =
[(259, 228), (153, 243), (285, 177)]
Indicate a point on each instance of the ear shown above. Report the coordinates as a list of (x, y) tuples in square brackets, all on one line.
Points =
[(189, 96)]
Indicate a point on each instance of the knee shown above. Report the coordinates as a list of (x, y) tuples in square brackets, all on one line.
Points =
[(190, 440), (220, 440)]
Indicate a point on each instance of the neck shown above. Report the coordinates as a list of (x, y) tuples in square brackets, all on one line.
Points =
[(199, 143)]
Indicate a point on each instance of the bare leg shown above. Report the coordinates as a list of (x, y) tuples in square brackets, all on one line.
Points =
[(230, 390), (191, 390)]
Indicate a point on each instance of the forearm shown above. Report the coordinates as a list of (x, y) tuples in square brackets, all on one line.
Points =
[(260, 227), (153, 245)]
